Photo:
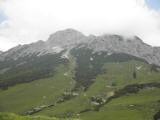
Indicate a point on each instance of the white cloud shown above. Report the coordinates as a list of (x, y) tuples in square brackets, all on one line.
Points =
[(31, 20)]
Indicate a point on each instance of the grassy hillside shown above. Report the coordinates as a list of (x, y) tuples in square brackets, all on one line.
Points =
[(90, 86), (9, 116), (141, 106), (117, 76), (23, 97), (29, 68)]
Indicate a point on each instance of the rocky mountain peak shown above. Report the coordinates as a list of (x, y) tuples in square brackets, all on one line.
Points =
[(65, 37), (70, 38)]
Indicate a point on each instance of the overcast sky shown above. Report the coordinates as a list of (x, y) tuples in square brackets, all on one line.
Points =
[(25, 21)]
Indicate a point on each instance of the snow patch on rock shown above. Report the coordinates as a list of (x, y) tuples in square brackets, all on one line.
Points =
[(109, 53), (57, 49), (66, 55), (91, 58), (66, 74), (138, 67)]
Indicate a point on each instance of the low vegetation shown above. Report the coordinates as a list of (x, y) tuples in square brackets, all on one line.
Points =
[(89, 86), (11, 116), (28, 69), (90, 64)]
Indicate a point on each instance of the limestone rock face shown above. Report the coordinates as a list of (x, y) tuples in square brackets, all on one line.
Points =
[(65, 38)]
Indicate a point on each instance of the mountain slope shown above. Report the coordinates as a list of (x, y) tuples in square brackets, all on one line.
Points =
[(118, 76), (117, 73), (76, 76), (27, 69)]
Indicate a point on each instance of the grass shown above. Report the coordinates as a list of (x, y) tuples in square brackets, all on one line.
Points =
[(121, 74), (140, 106), (23, 97), (11, 116)]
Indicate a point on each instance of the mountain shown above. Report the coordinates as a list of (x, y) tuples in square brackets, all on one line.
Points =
[(56, 43), (70, 38), (72, 75)]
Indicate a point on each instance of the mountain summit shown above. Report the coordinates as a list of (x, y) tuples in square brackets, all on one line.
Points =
[(65, 37)]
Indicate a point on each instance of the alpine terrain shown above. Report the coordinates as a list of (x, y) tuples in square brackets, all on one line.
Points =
[(72, 76)]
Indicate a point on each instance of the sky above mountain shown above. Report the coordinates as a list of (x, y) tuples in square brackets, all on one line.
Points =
[(25, 21), (154, 4)]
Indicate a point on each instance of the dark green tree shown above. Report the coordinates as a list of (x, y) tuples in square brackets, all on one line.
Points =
[(134, 75)]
